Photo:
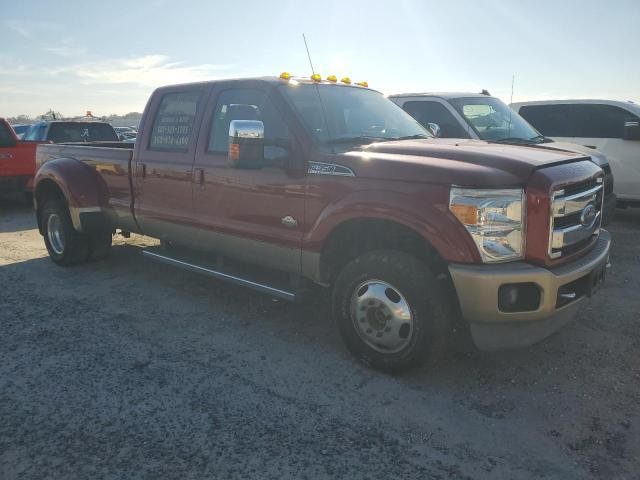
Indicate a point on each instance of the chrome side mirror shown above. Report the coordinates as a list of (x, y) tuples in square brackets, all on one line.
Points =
[(246, 143), (434, 128)]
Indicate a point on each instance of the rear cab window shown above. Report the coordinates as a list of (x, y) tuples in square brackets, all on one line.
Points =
[(174, 121), (60, 132)]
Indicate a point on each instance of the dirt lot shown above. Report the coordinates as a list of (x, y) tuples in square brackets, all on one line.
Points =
[(127, 369)]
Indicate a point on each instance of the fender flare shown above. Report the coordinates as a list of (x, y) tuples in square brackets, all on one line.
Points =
[(84, 191), (435, 224)]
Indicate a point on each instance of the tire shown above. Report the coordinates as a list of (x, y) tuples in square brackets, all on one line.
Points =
[(65, 245), (100, 245), (376, 296)]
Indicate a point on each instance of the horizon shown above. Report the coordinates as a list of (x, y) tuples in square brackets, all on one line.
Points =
[(61, 58)]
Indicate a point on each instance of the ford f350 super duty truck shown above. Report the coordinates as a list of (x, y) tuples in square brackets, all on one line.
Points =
[(330, 183)]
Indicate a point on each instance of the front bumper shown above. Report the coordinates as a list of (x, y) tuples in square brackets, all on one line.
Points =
[(477, 288)]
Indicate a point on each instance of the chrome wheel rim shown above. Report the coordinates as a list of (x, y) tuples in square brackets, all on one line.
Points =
[(55, 233), (381, 316)]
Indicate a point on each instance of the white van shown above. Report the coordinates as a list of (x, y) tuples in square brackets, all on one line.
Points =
[(610, 126), (483, 117)]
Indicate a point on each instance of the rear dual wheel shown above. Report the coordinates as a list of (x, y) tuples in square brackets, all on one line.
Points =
[(67, 246), (390, 310)]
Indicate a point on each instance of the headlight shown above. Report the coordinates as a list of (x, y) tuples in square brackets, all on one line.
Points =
[(495, 220)]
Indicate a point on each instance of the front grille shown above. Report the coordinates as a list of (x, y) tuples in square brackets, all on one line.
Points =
[(576, 214)]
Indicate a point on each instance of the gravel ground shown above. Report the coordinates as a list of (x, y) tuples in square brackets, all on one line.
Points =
[(128, 369)]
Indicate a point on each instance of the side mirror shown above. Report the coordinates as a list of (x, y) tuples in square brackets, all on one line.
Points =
[(631, 131), (246, 144), (434, 128)]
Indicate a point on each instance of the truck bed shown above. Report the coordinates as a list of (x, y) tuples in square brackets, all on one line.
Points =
[(111, 162)]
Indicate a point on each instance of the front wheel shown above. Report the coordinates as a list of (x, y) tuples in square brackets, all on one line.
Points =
[(65, 245), (390, 310)]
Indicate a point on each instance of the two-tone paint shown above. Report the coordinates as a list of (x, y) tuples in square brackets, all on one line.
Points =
[(282, 216)]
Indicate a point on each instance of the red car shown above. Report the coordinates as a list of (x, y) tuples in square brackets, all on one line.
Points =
[(17, 161)]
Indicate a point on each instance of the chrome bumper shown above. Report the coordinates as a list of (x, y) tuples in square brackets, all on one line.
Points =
[(477, 289)]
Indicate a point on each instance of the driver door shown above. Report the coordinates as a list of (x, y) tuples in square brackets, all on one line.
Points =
[(255, 215)]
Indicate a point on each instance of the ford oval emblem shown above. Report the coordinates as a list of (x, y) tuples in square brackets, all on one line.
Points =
[(588, 215)]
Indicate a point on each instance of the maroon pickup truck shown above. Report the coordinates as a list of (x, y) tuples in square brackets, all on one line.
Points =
[(280, 184)]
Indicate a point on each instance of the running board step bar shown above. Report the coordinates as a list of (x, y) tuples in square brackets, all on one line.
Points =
[(237, 280)]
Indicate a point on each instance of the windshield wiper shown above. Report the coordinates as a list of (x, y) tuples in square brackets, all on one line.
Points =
[(411, 137), (361, 138), (512, 140), (541, 139)]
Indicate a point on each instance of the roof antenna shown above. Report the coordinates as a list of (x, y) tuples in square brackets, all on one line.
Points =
[(308, 54), (324, 110)]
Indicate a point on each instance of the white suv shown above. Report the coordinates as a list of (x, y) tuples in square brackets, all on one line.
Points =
[(610, 126)]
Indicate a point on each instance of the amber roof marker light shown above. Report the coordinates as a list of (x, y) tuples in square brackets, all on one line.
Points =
[(332, 79), (285, 76), (363, 84), (346, 80)]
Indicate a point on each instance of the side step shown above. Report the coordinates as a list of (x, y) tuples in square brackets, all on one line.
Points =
[(162, 256)]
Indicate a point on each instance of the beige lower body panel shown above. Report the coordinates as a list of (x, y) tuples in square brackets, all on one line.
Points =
[(245, 249), (477, 289)]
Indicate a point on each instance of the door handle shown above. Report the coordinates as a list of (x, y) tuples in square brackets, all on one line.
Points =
[(199, 176), (591, 146), (5, 156)]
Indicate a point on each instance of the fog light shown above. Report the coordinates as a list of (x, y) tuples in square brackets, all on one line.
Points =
[(518, 297)]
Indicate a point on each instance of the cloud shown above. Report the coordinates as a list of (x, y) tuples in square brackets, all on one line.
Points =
[(27, 29), (147, 71), (66, 48)]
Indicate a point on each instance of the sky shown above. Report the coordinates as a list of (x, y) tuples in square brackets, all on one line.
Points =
[(107, 57)]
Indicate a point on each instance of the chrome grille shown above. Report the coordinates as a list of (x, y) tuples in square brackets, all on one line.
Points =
[(576, 214)]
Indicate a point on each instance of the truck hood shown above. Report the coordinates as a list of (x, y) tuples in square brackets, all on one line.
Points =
[(597, 156), (453, 161)]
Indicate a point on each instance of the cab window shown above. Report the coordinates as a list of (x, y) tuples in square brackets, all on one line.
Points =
[(434, 112), (174, 120), (6, 139), (247, 104), (600, 121), (36, 132), (550, 120)]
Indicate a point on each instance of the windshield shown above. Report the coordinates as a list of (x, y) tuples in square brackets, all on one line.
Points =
[(336, 114), (81, 132), (493, 120)]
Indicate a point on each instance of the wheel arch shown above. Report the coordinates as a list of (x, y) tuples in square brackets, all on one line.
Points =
[(70, 181), (353, 237)]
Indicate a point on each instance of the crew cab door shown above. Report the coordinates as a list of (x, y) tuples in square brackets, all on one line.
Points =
[(255, 215), (164, 161)]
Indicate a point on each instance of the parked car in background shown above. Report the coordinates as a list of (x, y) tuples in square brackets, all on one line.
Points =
[(612, 127), (483, 117), (329, 183), (20, 129), (57, 131), (17, 162), (125, 133), (17, 157)]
